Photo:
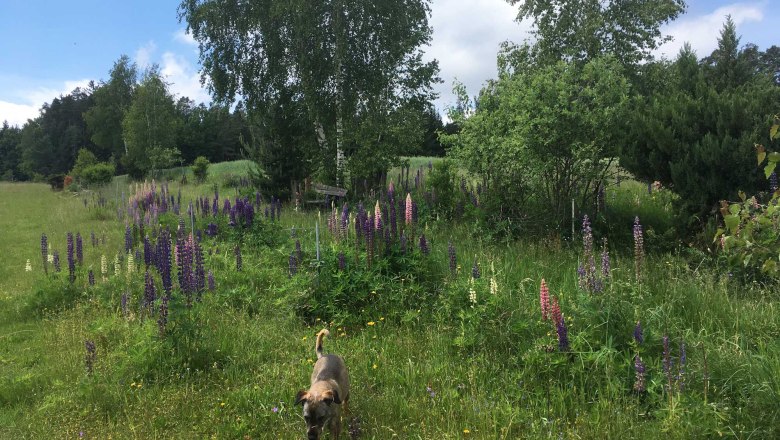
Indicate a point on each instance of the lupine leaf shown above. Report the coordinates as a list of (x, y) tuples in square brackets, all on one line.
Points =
[(732, 221), (769, 169)]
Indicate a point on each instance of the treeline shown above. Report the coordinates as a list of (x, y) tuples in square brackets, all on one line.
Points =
[(133, 123), (545, 136)]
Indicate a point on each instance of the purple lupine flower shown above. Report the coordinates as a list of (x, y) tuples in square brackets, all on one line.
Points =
[(91, 356), (342, 261), (211, 230), (293, 263), (56, 261), (591, 282), (638, 336), (563, 335), (163, 255), (640, 385), (71, 261), (162, 320), (123, 303), (150, 293), (424, 245), (226, 207), (91, 277), (45, 253), (605, 266), (128, 239), (232, 220), (79, 249), (212, 284), (475, 272), (344, 220), (239, 262), (453, 258), (639, 249), (368, 230), (667, 362), (215, 208), (773, 182), (681, 367), (582, 279), (200, 274)]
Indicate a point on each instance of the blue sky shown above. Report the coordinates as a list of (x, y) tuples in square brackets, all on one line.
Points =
[(47, 48)]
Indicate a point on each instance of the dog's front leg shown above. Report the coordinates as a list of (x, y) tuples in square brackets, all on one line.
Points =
[(335, 426)]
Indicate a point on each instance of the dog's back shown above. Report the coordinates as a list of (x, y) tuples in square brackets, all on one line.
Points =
[(330, 367)]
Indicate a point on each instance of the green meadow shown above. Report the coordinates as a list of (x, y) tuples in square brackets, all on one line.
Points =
[(433, 352)]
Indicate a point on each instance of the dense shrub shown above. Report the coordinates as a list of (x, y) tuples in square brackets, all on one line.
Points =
[(97, 174), (200, 168), (57, 181)]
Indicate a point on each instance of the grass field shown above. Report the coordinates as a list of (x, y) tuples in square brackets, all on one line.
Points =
[(426, 362)]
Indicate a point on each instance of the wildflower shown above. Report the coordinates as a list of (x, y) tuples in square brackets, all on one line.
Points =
[(342, 261), (211, 230), (91, 356), (467, 431), (44, 252), (128, 238), (475, 272), (211, 281), (493, 286), (430, 392), (274, 409), (50, 258), (28, 266), (424, 245), (55, 260), (130, 264), (472, 293), (555, 311), (91, 278), (371, 323), (374, 366), (605, 266), (79, 249), (453, 258), (544, 300), (639, 249), (377, 216), (71, 261), (773, 182), (150, 293), (563, 335), (639, 369), (103, 266), (293, 263), (408, 211), (638, 337)]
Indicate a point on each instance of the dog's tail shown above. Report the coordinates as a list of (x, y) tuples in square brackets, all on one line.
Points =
[(318, 346)]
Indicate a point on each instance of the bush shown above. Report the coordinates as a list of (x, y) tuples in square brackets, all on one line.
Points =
[(200, 168), (84, 160), (57, 181), (98, 174)]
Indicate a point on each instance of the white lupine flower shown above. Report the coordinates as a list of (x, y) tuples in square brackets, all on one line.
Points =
[(50, 258), (117, 266), (28, 266), (472, 293), (493, 286), (130, 264)]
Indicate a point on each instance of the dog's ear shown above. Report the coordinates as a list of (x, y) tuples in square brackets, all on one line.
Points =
[(331, 396), (301, 396)]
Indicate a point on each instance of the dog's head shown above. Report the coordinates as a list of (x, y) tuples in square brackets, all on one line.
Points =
[(318, 409)]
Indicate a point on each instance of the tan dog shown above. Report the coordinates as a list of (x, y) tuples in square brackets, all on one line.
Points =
[(329, 389)]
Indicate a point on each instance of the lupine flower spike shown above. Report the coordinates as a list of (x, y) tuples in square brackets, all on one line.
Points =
[(639, 249), (639, 368), (638, 336), (544, 300)]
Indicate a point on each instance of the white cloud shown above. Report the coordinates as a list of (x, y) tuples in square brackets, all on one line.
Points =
[(29, 102), (183, 78), (143, 56), (184, 37), (702, 31), (466, 39)]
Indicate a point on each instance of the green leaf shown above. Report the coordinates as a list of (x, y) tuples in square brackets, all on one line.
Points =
[(735, 208), (761, 153), (774, 157), (773, 131), (769, 169), (732, 221)]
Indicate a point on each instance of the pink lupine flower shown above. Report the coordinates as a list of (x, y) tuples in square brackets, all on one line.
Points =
[(544, 300), (408, 210), (555, 311), (377, 216)]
